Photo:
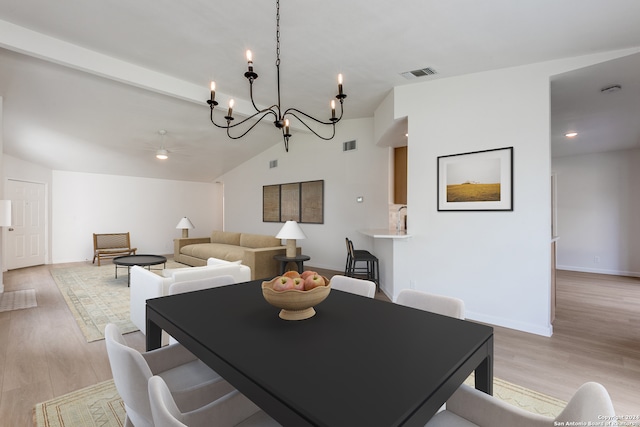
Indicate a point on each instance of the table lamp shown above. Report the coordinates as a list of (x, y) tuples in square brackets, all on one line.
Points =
[(186, 225), (291, 231)]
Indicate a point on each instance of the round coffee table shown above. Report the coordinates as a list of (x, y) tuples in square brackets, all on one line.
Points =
[(141, 260)]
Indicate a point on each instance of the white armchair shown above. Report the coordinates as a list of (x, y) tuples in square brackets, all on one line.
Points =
[(146, 285), (197, 285), (469, 407)]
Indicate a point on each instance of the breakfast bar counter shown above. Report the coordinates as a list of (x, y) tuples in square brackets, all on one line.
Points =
[(381, 233), (391, 248)]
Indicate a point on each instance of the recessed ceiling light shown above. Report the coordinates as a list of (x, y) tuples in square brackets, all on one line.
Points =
[(571, 134)]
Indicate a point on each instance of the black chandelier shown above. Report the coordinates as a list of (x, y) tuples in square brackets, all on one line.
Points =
[(281, 120)]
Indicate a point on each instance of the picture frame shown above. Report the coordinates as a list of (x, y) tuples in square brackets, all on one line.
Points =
[(476, 181), (296, 201), (271, 203)]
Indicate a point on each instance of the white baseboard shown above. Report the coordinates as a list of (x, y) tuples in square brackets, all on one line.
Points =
[(598, 271), (543, 330)]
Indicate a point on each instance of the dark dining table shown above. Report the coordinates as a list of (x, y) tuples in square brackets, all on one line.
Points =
[(357, 362)]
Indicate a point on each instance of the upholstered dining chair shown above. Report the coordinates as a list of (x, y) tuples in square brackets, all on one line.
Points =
[(439, 304), (232, 409), (365, 288), (197, 285), (469, 407), (192, 383)]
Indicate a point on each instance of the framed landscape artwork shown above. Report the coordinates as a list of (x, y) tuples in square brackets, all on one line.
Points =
[(477, 181)]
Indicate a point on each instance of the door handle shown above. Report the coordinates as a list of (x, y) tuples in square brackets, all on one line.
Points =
[(10, 228)]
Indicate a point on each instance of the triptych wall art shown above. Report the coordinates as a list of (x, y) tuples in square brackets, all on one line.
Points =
[(297, 201)]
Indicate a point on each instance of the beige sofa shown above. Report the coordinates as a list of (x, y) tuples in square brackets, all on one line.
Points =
[(256, 251)]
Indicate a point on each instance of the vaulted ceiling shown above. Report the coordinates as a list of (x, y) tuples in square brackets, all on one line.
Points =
[(97, 80)]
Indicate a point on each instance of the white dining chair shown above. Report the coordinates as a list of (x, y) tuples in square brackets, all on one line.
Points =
[(192, 383), (232, 409), (468, 407), (439, 304), (365, 288)]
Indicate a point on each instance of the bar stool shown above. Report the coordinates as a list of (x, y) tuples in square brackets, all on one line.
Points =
[(371, 269)]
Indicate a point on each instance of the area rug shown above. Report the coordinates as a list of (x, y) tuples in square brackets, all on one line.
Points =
[(524, 398), (18, 300), (96, 298), (97, 405), (100, 405)]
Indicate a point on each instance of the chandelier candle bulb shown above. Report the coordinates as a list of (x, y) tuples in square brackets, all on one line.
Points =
[(230, 113), (286, 126), (339, 84), (250, 60), (213, 91), (333, 109)]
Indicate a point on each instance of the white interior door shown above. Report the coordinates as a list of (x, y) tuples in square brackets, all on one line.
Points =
[(26, 237)]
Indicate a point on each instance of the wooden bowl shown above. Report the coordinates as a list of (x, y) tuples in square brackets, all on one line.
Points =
[(295, 304)]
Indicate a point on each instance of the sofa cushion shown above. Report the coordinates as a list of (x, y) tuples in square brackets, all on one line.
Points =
[(225, 237), (258, 241), (214, 250)]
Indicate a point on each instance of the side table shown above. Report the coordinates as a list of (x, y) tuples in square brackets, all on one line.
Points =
[(298, 259)]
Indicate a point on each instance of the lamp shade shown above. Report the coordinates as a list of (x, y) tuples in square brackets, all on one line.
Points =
[(185, 223), (291, 230), (5, 213)]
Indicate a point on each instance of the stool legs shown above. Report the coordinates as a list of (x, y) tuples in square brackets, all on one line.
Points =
[(354, 256)]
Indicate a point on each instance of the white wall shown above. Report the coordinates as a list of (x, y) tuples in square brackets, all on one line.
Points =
[(598, 212), (2, 240), (149, 209), (497, 262), (347, 175)]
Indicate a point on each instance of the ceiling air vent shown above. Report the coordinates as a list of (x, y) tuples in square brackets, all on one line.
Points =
[(423, 72), (349, 145), (273, 164)]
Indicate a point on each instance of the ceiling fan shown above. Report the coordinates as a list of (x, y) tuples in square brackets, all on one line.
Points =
[(163, 150)]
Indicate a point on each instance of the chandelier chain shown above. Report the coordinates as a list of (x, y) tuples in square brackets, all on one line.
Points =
[(277, 33)]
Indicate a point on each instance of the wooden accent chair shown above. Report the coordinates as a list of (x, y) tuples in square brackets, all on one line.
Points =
[(111, 245)]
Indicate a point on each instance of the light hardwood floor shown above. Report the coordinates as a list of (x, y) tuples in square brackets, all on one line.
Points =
[(43, 354), (596, 338)]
